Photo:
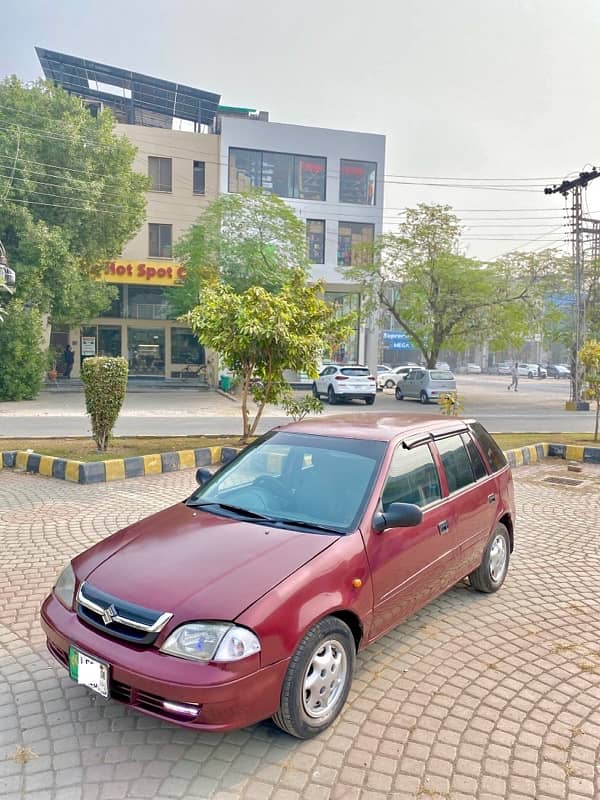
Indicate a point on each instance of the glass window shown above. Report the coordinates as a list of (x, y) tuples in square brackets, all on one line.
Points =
[(477, 463), (245, 168), (160, 172), (199, 177), (160, 240), (278, 174), (116, 307), (146, 351), (345, 303), (412, 478), (315, 234), (147, 302), (456, 461), (490, 447), (357, 182), (352, 235), (309, 181), (109, 340), (185, 348)]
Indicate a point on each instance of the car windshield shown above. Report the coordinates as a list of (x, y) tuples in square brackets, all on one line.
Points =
[(288, 478), (441, 375)]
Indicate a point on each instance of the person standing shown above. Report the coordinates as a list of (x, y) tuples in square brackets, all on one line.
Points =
[(515, 377), (69, 358)]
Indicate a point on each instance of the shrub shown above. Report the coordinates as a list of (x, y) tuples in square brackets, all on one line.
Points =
[(105, 383), (298, 409), (22, 355)]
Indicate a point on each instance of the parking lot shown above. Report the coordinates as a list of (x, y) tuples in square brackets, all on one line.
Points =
[(477, 696)]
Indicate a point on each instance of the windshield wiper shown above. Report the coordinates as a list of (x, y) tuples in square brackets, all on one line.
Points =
[(299, 523), (226, 507)]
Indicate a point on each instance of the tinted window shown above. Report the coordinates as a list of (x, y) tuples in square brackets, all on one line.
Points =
[(456, 461), (355, 372), (199, 183), (490, 447), (477, 463), (351, 235), (412, 478), (283, 174), (441, 375), (357, 182), (160, 240), (160, 173), (315, 234)]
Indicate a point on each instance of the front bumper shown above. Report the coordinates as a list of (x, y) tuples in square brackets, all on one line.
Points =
[(226, 696)]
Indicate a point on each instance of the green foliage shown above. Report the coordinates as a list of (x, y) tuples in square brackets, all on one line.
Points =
[(22, 355), (589, 358), (70, 199), (298, 409), (105, 384), (260, 334), (244, 240)]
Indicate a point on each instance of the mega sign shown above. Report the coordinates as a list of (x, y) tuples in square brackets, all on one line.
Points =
[(397, 340), (155, 273)]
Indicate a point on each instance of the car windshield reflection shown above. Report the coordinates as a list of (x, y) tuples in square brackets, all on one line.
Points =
[(286, 477)]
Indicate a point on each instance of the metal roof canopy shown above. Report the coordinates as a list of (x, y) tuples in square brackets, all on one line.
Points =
[(139, 91)]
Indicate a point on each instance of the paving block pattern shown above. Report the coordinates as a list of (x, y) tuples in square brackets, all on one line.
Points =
[(477, 697)]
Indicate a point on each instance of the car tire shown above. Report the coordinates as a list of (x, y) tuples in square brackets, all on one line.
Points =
[(389, 384), (530, 374), (490, 574), (370, 400), (331, 398), (423, 398), (321, 668), (399, 395), (315, 392)]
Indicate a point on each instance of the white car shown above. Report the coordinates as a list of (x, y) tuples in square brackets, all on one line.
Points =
[(340, 382), (389, 380), (531, 371), (473, 369)]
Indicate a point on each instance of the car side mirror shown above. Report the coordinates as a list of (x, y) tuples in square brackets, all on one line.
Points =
[(397, 515), (203, 475)]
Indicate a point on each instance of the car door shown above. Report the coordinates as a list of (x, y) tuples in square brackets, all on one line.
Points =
[(412, 383), (410, 566), (323, 379)]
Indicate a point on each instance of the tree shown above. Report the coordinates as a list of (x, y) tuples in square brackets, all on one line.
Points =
[(69, 198), (105, 385), (259, 334), (589, 358), (437, 295), (243, 240), (21, 353)]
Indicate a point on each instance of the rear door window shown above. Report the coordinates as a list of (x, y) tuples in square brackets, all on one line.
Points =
[(413, 478), (489, 446), (456, 462), (477, 462)]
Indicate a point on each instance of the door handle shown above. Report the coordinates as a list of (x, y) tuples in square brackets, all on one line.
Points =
[(443, 526), (491, 498)]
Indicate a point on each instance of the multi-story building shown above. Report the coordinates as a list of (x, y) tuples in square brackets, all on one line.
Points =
[(332, 179)]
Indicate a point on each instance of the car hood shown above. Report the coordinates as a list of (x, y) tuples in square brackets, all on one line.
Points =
[(195, 564)]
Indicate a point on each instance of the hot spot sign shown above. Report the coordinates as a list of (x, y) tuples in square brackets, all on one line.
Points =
[(153, 273)]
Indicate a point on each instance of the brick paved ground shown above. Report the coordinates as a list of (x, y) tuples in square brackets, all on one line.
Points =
[(476, 697)]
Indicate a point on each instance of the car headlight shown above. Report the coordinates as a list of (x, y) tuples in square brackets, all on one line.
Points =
[(211, 641), (64, 588)]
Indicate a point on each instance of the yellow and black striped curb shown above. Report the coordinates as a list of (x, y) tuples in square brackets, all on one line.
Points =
[(115, 469), (137, 466)]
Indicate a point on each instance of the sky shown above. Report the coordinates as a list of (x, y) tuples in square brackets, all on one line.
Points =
[(471, 93)]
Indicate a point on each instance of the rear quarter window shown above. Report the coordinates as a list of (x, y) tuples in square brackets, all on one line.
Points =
[(491, 449)]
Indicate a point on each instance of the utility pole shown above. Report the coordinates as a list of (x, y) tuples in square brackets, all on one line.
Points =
[(577, 219)]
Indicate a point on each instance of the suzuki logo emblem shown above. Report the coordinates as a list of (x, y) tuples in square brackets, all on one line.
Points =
[(109, 614)]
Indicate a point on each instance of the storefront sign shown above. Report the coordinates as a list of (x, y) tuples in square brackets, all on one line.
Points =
[(396, 340), (152, 273), (88, 345)]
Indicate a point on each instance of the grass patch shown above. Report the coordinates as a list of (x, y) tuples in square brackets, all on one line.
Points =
[(84, 449), (510, 441)]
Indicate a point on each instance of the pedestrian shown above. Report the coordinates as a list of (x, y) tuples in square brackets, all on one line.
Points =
[(69, 358), (515, 377)]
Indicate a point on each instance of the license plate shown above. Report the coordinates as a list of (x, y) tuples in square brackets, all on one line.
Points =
[(88, 671)]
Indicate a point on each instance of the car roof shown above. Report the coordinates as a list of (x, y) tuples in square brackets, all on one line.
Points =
[(377, 425)]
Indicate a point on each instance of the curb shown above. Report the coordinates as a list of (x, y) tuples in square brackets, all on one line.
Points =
[(139, 466)]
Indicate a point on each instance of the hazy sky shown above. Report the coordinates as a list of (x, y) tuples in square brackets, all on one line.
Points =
[(475, 89)]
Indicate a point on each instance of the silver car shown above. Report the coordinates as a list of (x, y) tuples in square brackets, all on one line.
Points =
[(426, 385)]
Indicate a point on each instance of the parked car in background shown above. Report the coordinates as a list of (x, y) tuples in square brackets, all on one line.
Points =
[(383, 368), (558, 371), (426, 385), (339, 382), (389, 380), (531, 371), (442, 365), (253, 597), (502, 368), (473, 369)]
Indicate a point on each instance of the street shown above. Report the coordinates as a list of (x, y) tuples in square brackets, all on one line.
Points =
[(538, 406)]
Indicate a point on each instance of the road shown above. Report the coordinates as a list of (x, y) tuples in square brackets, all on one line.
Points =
[(538, 406)]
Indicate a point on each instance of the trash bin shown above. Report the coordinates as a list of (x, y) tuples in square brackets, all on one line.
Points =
[(225, 383)]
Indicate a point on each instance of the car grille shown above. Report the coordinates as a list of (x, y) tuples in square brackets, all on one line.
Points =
[(118, 618), (123, 693)]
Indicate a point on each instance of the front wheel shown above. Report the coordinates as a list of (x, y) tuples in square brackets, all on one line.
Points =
[(490, 574), (399, 395), (318, 679), (331, 398), (423, 398)]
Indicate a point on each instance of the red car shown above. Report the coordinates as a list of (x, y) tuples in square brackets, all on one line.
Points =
[(251, 598)]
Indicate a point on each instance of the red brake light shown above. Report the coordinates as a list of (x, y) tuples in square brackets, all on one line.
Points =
[(341, 377), (371, 378)]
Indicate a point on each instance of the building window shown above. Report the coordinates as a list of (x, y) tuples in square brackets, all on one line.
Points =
[(117, 304), (160, 171), (352, 235), (283, 174), (147, 302), (344, 303), (199, 178), (160, 240), (357, 182), (185, 348), (315, 234)]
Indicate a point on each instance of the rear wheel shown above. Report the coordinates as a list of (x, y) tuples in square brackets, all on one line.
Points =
[(423, 398), (370, 400), (331, 398), (389, 384), (315, 392), (318, 679), (490, 574)]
